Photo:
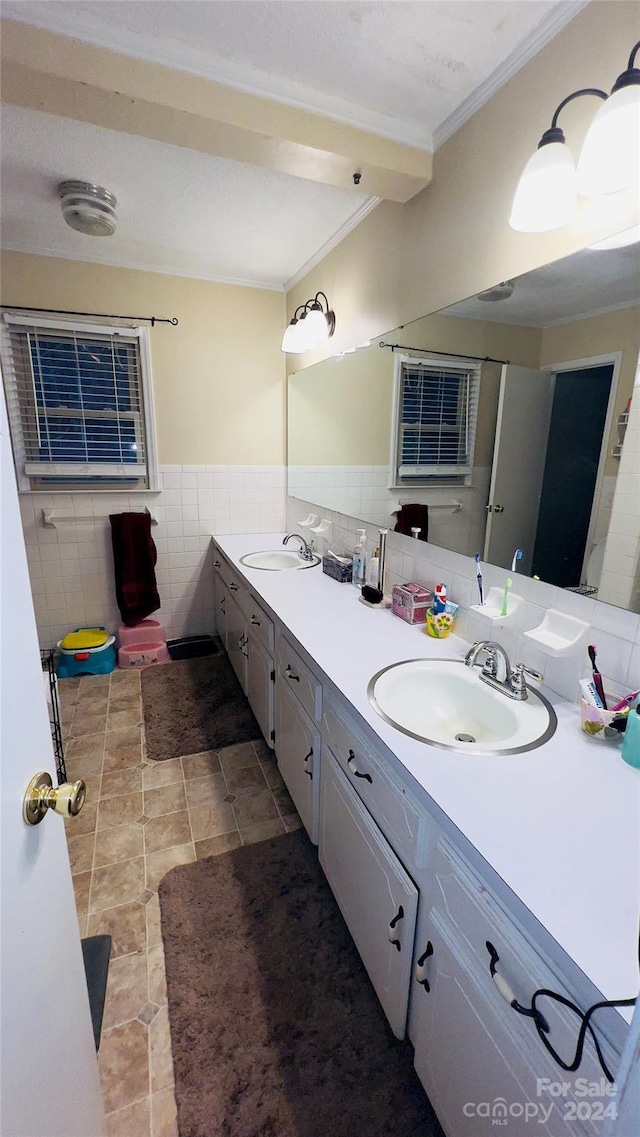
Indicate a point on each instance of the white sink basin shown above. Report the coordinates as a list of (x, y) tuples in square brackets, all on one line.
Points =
[(277, 560), (447, 704)]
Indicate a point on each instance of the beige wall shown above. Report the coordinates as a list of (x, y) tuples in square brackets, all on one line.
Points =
[(599, 335), (218, 378), (453, 239), (340, 409)]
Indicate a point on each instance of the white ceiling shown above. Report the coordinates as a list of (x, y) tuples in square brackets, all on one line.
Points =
[(406, 70), (581, 285), (179, 210), (400, 69)]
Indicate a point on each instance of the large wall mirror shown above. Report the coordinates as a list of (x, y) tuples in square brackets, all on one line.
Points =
[(505, 414)]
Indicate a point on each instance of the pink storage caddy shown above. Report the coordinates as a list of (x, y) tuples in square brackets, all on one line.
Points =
[(410, 602), (143, 645)]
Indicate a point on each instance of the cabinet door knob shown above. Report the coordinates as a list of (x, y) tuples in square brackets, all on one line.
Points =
[(421, 971), (351, 763), (222, 607), (307, 758), (290, 674), (393, 939)]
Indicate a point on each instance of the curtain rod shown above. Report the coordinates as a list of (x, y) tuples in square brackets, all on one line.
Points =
[(99, 315), (450, 354)]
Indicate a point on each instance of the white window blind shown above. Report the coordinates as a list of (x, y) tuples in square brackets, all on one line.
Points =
[(79, 404), (437, 408)]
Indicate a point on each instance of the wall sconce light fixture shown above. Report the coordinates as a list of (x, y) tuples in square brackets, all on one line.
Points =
[(311, 324), (546, 197)]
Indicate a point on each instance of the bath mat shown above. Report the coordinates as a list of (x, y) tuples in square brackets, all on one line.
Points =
[(194, 705), (276, 1030)]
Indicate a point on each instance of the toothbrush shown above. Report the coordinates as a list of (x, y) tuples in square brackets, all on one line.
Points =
[(479, 577), (626, 702), (507, 585), (517, 556), (597, 678)]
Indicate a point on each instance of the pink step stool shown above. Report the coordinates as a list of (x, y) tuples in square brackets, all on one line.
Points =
[(142, 646)]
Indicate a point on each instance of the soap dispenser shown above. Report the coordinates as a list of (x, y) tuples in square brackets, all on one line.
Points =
[(360, 559)]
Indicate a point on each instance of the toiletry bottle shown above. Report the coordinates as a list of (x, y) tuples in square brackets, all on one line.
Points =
[(631, 743), (360, 559), (373, 569)]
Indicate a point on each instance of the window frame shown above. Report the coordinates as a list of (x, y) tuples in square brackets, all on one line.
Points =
[(27, 472), (457, 476)]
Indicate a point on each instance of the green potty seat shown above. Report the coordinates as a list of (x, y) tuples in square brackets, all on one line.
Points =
[(86, 660)]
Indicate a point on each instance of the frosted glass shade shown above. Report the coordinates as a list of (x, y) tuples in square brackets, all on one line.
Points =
[(546, 194), (316, 328), (292, 340), (619, 240), (610, 157)]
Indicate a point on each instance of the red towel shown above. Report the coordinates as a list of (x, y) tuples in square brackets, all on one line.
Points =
[(134, 559), (413, 516)]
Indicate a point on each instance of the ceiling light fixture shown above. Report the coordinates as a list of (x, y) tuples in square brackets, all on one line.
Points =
[(547, 194), (310, 326), (619, 240), (88, 208)]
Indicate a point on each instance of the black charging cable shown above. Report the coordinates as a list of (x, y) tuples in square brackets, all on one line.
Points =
[(542, 1025)]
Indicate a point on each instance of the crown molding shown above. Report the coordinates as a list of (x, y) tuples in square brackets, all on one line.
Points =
[(346, 227), (229, 73), (548, 27), (634, 303), (214, 278)]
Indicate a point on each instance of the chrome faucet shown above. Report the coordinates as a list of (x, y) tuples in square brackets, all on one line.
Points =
[(497, 671), (306, 551)]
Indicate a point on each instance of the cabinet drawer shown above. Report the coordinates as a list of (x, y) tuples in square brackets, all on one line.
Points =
[(258, 623), (470, 909), (296, 675), (405, 825), (229, 575)]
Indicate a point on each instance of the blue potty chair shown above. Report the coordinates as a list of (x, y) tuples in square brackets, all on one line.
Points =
[(86, 651)]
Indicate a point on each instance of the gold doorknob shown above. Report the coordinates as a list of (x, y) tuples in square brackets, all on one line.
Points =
[(40, 795)]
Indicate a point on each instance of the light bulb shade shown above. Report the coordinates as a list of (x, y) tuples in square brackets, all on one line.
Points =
[(316, 328), (619, 240), (546, 195), (292, 340), (610, 157)]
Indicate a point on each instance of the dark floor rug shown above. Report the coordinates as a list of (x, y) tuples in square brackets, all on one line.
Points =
[(194, 705), (276, 1030)]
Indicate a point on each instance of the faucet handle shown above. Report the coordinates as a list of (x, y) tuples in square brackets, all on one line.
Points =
[(520, 669), (518, 683)]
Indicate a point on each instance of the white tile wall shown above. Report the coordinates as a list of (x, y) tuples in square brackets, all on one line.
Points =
[(362, 491), (615, 632), (71, 567)]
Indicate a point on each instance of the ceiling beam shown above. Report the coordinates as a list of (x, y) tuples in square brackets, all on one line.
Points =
[(53, 73)]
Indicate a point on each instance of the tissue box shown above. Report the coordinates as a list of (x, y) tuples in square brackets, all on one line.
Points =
[(410, 602), (341, 570)]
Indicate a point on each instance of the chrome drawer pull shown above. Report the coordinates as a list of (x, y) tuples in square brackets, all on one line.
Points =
[(351, 763), (216, 564), (222, 607), (255, 620), (421, 971), (394, 939), (305, 761), (233, 587), (290, 675)]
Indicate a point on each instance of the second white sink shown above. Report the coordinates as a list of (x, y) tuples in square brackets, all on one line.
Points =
[(445, 703), (277, 560)]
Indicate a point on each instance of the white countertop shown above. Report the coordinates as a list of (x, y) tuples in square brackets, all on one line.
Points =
[(560, 824)]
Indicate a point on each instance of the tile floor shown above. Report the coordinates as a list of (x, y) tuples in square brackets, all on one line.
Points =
[(140, 819)]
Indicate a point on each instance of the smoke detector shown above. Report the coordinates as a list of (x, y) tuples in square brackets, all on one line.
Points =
[(89, 209), (500, 291)]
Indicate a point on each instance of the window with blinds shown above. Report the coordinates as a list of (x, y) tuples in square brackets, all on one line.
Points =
[(436, 414), (79, 404)]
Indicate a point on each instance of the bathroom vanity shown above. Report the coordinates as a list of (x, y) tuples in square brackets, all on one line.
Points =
[(467, 882)]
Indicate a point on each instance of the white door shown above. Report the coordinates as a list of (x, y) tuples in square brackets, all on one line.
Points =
[(49, 1074), (236, 637), (522, 430), (298, 755), (377, 898), (260, 676)]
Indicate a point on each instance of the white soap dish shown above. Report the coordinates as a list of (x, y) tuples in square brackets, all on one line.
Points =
[(557, 633), (491, 610)]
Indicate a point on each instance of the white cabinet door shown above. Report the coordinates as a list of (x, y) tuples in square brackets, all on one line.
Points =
[(376, 897), (236, 639), (298, 754), (222, 603), (260, 684)]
